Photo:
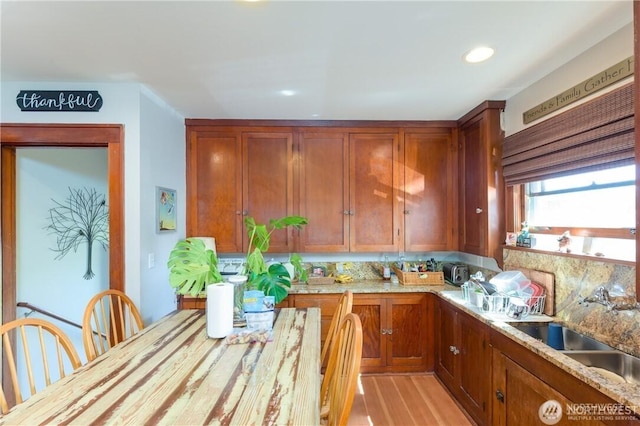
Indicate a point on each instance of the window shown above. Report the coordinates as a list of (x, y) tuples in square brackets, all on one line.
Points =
[(575, 172), (597, 208)]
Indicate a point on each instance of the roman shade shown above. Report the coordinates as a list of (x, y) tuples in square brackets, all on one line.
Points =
[(595, 135)]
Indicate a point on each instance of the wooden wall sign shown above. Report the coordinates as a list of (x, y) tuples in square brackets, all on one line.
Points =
[(611, 75), (59, 100)]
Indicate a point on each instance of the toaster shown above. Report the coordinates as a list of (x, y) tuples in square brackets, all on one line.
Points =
[(456, 273)]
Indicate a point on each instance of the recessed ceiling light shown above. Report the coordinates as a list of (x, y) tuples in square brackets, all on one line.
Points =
[(478, 54), (287, 92)]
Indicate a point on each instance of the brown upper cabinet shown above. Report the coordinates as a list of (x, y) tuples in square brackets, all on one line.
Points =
[(324, 190), (429, 188), (349, 191), (481, 189), (233, 173), (214, 187), (373, 192), (363, 189)]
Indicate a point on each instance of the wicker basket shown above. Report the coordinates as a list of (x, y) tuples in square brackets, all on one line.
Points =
[(419, 278), (320, 280)]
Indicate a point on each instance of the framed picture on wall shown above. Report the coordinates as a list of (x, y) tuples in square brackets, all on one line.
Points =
[(165, 209)]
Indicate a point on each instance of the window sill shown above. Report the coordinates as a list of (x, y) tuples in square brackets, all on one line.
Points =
[(573, 255)]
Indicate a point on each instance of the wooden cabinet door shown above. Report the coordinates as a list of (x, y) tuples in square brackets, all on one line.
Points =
[(324, 191), (214, 188), (430, 190), (473, 200), (481, 185), (372, 312), (475, 367), (268, 182), (521, 394), (408, 332), (374, 183), (446, 340)]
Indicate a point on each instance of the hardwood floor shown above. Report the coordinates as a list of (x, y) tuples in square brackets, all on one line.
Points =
[(403, 400)]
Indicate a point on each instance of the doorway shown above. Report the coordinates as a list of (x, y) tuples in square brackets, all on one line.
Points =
[(16, 136)]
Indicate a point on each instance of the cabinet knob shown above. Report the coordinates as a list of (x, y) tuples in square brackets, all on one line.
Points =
[(390, 331), (351, 212), (407, 212), (383, 331), (478, 210), (452, 348), (244, 212), (346, 212), (499, 395)]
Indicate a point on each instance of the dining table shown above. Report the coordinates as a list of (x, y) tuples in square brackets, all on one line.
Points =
[(172, 373)]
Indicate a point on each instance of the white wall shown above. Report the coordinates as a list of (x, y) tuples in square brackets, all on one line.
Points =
[(163, 163), (126, 103), (608, 52)]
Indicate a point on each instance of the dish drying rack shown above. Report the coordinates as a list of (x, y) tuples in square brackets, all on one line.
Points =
[(498, 303)]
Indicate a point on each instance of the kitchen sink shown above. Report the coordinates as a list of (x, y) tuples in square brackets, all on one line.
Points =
[(625, 367), (573, 341), (609, 362)]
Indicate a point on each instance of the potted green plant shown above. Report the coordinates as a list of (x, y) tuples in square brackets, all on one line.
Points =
[(192, 266), (274, 279), (300, 272)]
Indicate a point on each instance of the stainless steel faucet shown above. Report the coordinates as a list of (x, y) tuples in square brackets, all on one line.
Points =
[(613, 303)]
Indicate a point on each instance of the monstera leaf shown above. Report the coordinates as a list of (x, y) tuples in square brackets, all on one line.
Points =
[(275, 281), (192, 266)]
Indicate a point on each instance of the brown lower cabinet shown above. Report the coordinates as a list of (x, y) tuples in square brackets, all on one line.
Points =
[(463, 359), (397, 328), (397, 332), (522, 381), (500, 382), (519, 394)]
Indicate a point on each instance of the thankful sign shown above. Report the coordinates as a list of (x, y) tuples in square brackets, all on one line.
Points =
[(59, 100)]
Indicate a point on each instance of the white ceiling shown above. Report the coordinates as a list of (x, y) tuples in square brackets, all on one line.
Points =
[(346, 60)]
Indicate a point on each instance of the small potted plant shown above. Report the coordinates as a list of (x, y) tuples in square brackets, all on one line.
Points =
[(192, 266), (273, 279)]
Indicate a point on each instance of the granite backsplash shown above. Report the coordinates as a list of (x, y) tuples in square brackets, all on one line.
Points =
[(576, 278)]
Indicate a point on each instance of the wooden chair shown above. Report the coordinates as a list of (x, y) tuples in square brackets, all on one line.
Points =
[(109, 318), (51, 341), (341, 377), (344, 307)]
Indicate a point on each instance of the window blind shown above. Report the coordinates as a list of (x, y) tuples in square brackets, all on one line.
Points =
[(595, 135)]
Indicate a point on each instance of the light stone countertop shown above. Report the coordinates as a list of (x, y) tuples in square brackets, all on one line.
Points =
[(368, 286), (624, 393)]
